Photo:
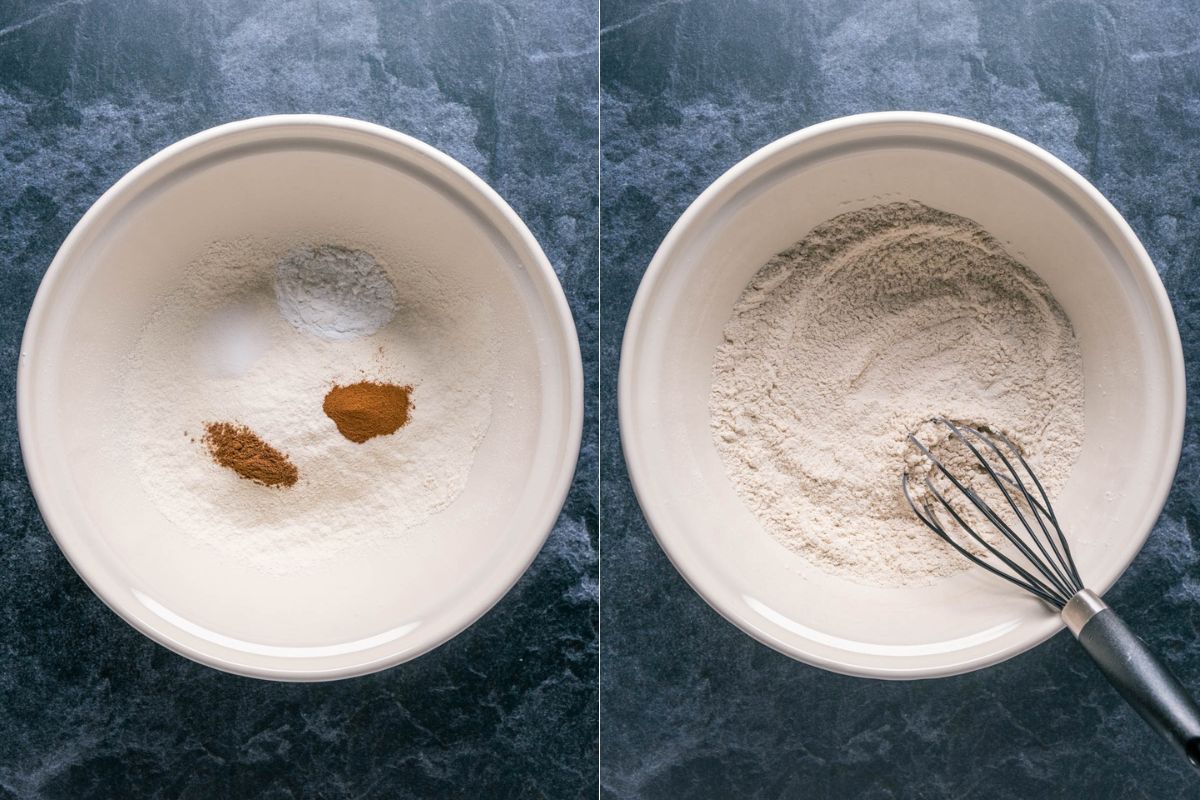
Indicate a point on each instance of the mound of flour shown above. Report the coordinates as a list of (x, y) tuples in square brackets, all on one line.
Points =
[(843, 344), (219, 350)]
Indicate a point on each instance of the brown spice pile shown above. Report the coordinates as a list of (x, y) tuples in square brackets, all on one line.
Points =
[(368, 409), (239, 449)]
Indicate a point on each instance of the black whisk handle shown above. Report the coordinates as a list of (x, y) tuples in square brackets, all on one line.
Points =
[(1141, 678)]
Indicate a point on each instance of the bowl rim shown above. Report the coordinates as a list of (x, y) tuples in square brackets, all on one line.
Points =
[(161, 166), (674, 543)]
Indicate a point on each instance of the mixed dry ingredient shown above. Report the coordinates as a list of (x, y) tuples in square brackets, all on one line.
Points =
[(849, 340), (303, 365)]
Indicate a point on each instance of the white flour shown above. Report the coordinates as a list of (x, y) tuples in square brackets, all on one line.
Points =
[(220, 351), (843, 344)]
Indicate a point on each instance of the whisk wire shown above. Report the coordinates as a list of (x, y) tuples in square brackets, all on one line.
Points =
[(1046, 565), (991, 516), (1064, 567), (1026, 581), (1048, 510), (1051, 574)]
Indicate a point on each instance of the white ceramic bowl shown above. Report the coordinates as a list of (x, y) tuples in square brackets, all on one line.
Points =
[(364, 610), (1048, 216)]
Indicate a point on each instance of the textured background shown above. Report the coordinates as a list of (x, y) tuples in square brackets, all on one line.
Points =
[(88, 707), (691, 707)]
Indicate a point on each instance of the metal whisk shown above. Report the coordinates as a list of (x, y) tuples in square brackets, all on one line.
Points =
[(1032, 552)]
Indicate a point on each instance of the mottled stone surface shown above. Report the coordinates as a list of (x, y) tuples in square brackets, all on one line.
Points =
[(693, 708), (90, 708)]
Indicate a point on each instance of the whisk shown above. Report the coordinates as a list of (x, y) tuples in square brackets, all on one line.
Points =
[(1032, 553)]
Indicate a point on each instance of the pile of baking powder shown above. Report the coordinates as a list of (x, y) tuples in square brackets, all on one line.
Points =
[(334, 292), (230, 345), (843, 344)]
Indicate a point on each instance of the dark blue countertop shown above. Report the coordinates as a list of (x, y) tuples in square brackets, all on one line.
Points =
[(90, 708), (690, 706)]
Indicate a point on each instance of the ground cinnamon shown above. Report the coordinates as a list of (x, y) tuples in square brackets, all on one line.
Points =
[(368, 409), (241, 450)]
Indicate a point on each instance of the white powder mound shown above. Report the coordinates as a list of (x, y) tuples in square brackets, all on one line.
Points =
[(846, 342), (334, 292), (220, 351)]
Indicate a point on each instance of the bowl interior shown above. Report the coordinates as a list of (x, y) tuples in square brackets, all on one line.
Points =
[(1092, 264), (369, 606)]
